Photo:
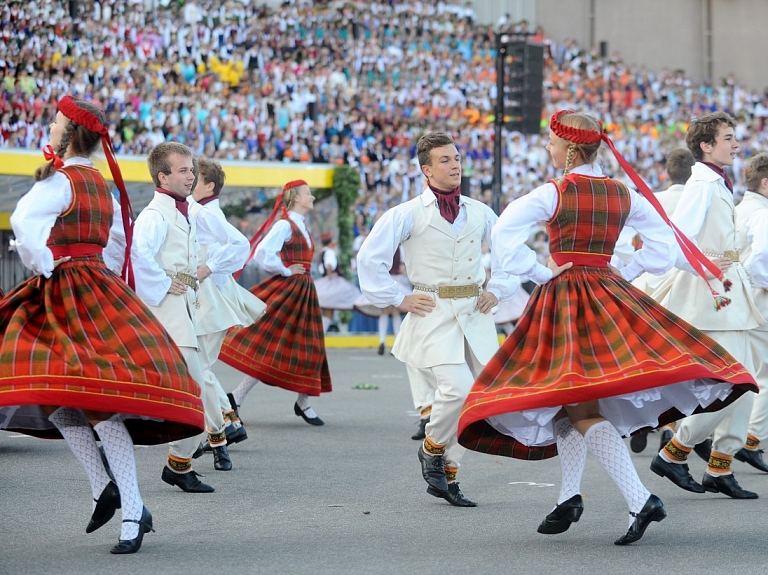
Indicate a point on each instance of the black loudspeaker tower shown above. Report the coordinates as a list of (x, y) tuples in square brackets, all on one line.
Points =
[(603, 49), (73, 8), (464, 186), (523, 86)]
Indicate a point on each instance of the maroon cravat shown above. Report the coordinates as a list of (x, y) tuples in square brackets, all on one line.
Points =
[(181, 202), (447, 202)]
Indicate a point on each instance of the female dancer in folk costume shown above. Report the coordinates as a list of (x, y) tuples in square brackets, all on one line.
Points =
[(68, 364), (593, 358), (334, 291), (285, 347)]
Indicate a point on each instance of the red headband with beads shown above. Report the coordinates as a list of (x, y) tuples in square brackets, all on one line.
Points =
[(698, 260)]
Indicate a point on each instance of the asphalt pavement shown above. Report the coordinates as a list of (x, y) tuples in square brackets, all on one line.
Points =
[(348, 498)]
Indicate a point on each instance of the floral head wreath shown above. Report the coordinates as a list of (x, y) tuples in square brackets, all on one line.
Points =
[(82, 117), (279, 207), (698, 260)]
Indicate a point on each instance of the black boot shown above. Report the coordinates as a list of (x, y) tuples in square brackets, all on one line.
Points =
[(433, 472), (421, 433), (221, 459)]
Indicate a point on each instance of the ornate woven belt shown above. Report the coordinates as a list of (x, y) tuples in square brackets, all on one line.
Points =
[(732, 255), (186, 279), (452, 292)]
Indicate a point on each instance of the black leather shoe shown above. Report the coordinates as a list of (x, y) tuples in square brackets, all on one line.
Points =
[(125, 546), (188, 481), (727, 485), (454, 496), (106, 505), (221, 459), (703, 449), (562, 516), (422, 431), (235, 434), (433, 471), (677, 473), (638, 442), (753, 457), (381, 349), (653, 510), (311, 420), (666, 437)]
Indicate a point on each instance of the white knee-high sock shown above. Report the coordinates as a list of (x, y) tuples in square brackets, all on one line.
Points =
[(242, 390), (77, 432), (609, 449), (383, 325), (572, 451), (397, 319), (118, 447)]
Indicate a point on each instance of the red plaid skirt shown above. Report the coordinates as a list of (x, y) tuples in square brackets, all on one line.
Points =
[(286, 346), (588, 335), (83, 339)]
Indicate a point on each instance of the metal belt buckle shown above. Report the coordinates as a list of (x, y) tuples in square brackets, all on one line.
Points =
[(454, 292), (731, 255)]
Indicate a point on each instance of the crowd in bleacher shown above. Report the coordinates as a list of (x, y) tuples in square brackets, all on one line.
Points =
[(354, 82)]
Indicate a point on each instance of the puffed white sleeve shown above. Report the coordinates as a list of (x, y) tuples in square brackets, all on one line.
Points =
[(149, 233), (374, 259), (660, 248), (114, 253), (501, 284), (267, 254), (34, 216), (230, 248), (757, 235), (510, 253)]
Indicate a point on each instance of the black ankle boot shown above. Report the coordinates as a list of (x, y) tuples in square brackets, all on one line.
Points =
[(125, 546)]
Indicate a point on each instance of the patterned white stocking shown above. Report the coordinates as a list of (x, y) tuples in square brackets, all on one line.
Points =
[(609, 449), (572, 451), (118, 447), (77, 432), (242, 390)]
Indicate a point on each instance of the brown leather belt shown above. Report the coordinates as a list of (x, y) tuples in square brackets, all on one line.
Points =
[(186, 279), (452, 292)]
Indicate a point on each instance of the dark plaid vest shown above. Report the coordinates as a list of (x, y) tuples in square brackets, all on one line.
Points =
[(89, 217), (590, 214)]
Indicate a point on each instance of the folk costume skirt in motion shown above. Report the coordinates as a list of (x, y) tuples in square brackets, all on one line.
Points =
[(82, 338), (285, 347), (589, 335)]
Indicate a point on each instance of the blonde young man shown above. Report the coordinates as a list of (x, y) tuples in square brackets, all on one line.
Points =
[(449, 333), (164, 258), (705, 213)]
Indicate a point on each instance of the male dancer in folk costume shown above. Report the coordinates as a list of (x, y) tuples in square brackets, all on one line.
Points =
[(77, 336), (449, 333), (223, 251), (752, 230), (705, 214), (285, 347), (593, 359), (164, 258)]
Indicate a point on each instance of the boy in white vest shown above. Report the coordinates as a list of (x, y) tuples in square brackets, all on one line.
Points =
[(164, 258), (705, 213), (449, 333)]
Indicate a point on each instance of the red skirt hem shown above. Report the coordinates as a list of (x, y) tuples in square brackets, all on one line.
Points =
[(278, 378)]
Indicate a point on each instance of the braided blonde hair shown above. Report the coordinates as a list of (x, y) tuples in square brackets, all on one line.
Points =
[(588, 152)]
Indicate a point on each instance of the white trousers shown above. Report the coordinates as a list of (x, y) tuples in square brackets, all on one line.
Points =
[(451, 383), (729, 425), (423, 386), (184, 448), (758, 420), (212, 343)]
